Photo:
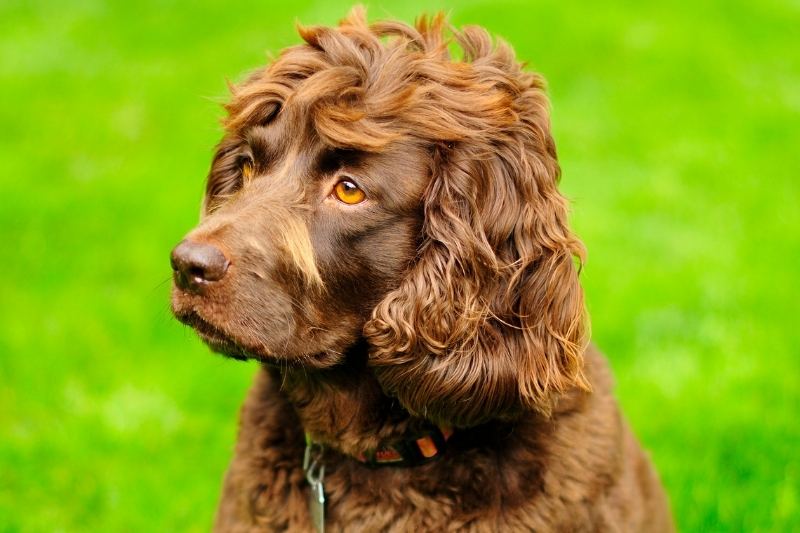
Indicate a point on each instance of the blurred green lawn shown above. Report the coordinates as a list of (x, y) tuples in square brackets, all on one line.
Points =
[(678, 130)]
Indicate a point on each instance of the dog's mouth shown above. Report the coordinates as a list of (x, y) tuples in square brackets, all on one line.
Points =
[(225, 344), (214, 337)]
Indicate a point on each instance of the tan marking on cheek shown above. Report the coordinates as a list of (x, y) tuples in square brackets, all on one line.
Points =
[(294, 236), (296, 241)]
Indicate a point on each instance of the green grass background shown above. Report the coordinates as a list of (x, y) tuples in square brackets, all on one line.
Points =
[(677, 125)]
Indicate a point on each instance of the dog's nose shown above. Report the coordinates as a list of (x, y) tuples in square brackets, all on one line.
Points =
[(196, 264)]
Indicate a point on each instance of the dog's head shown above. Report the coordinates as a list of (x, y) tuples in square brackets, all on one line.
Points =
[(371, 188)]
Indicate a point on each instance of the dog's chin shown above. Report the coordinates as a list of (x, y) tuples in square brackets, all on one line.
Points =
[(215, 338), (226, 344)]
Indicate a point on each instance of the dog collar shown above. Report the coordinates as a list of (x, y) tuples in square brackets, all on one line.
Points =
[(416, 448)]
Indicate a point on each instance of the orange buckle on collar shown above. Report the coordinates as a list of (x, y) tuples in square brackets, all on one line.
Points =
[(414, 451)]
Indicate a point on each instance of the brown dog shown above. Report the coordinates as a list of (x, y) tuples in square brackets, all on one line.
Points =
[(382, 230)]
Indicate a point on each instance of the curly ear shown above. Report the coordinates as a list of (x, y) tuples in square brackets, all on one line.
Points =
[(490, 319)]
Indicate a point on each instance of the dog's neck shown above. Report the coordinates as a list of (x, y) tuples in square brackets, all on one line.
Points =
[(344, 407)]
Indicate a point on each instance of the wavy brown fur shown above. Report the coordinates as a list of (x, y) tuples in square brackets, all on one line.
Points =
[(452, 295)]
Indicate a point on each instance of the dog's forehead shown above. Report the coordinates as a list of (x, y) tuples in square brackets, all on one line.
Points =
[(352, 99)]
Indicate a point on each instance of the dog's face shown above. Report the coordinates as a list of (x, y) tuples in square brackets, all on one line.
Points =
[(370, 188), (313, 236)]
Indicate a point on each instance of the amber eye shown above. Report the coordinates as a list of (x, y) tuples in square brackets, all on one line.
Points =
[(348, 192)]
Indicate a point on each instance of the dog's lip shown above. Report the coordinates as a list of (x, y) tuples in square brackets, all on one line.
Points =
[(224, 343), (217, 339)]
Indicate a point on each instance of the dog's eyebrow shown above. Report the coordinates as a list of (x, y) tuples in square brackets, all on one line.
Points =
[(333, 159), (266, 144), (260, 135)]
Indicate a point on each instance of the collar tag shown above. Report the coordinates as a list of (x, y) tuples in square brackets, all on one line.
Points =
[(314, 469)]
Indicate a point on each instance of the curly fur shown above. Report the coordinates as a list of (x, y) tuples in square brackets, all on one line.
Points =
[(453, 296)]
